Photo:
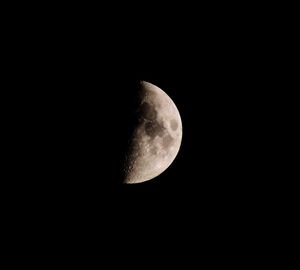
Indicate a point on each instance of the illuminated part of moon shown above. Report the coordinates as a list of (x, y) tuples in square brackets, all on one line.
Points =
[(157, 137)]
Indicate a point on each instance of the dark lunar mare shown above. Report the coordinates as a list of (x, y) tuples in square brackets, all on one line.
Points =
[(147, 115), (154, 128), (147, 111)]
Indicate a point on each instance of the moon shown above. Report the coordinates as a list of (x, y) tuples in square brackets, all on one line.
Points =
[(156, 138)]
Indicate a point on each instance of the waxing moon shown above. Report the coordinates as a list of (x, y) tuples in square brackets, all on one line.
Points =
[(156, 138)]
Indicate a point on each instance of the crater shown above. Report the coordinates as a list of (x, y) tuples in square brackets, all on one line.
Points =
[(154, 128), (167, 140), (174, 124), (147, 111)]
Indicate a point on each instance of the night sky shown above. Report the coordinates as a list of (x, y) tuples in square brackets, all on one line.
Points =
[(89, 101), (82, 94)]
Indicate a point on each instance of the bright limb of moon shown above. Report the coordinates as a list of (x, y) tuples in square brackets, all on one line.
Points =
[(157, 137)]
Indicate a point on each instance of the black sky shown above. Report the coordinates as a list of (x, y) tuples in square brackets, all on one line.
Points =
[(81, 87), (87, 96), (213, 90)]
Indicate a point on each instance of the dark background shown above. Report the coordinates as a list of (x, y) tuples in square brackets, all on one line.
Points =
[(84, 99), (79, 78)]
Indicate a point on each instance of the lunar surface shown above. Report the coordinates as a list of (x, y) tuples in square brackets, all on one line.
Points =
[(156, 138)]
